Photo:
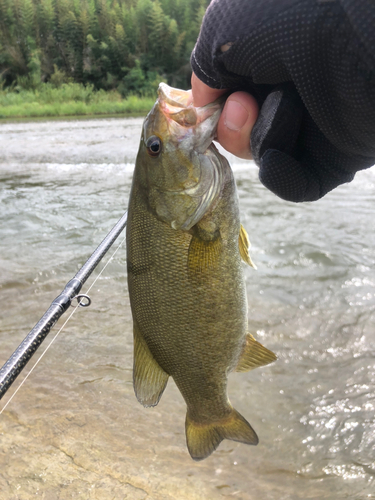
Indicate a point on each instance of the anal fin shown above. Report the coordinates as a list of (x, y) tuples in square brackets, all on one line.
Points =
[(149, 379), (244, 245), (254, 354)]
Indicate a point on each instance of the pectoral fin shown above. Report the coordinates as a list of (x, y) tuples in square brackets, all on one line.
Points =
[(203, 255), (149, 379), (253, 355), (244, 245)]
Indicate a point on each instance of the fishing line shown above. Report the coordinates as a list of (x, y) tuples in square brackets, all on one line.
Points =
[(60, 330)]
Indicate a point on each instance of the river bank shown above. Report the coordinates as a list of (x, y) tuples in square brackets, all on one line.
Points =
[(70, 99)]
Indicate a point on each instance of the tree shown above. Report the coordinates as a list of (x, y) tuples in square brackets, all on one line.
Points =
[(108, 43)]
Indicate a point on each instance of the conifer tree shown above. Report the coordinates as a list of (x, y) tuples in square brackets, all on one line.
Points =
[(124, 44)]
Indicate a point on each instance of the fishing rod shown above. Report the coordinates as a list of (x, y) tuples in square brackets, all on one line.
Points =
[(18, 360)]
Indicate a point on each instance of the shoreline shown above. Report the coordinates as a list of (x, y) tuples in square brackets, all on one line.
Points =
[(46, 118), (69, 100)]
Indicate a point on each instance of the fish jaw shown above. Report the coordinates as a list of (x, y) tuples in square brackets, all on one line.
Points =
[(192, 127), (174, 97)]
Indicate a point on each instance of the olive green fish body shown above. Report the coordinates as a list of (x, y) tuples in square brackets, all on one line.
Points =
[(194, 322), (187, 291)]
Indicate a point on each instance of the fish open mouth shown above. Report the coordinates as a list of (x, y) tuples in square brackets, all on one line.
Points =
[(177, 105), (174, 97)]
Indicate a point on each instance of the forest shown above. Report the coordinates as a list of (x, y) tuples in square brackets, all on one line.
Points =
[(123, 45)]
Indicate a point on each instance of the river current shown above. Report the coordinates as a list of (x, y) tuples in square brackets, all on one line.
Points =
[(75, 428)]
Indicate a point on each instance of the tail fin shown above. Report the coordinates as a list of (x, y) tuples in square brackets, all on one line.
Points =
[(203, 439)]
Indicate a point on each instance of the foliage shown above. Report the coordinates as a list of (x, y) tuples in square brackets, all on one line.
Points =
[(69, 99), (127, 45)]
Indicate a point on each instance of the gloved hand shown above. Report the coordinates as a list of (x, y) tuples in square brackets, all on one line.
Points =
[(311, 67), (296, 161)]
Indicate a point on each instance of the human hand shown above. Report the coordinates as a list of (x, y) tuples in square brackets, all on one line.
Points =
[(269, 138), (313, 83), (237, 119)]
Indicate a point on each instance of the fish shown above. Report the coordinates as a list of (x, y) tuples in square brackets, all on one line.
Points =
[(185, 248)]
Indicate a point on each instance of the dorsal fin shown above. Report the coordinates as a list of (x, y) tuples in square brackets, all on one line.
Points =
[(253, 355), (244, 245)]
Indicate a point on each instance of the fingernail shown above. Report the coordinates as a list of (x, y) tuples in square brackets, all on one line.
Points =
[(236, 115)]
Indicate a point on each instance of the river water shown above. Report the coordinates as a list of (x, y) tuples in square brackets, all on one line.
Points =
[(75, 428)]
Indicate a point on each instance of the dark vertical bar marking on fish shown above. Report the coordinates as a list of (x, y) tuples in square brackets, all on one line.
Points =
[(18, 360)]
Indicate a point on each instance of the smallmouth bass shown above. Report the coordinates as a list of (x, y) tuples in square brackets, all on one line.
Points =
[(186, 283)]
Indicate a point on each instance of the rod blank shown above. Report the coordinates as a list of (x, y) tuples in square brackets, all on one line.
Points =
[(18, 360)]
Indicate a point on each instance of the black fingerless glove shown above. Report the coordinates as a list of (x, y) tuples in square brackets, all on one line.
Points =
[(311, 66)]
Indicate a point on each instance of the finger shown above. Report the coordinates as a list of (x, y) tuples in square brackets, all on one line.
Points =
[(236, 123), (202, 93)]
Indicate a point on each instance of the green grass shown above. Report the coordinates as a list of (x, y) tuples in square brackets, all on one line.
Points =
[(71, 99)]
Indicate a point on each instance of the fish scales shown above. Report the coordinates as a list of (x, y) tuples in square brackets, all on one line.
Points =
[(167, 300), (186, 282)]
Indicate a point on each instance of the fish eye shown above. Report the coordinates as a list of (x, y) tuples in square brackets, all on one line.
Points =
[(153, 146)]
